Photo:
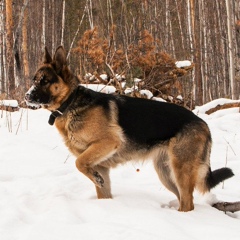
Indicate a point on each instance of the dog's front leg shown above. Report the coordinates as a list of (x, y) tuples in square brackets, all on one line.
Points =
[(96, 153), (105, 191)]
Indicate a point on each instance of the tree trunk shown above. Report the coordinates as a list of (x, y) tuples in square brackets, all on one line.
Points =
[(25, 50), (16, 48), (43, 26), (90, 15), (221, 46), (191, 43), (2, 55), (197, 53), (231, 50), (180, 24), (63, 21), (9, 49), (53, 33), (166, 40), (206, 92)]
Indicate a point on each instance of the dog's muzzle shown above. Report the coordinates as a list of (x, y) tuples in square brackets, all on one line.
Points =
[(29, 93), (36, 96)]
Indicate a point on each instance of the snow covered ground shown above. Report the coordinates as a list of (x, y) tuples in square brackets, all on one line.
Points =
[(44, 197)]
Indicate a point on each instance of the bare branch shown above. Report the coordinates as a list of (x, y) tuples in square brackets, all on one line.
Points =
[(227, 206)]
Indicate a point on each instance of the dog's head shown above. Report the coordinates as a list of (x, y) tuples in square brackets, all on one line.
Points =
[(51, 83)]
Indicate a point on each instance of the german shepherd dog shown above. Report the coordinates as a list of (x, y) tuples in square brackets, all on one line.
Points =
[(104, 130)]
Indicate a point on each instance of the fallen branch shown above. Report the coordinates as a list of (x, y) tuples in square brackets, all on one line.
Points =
[(224, 106), (227, 206)]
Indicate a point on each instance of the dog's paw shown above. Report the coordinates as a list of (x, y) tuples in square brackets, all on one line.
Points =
[(98, 179)]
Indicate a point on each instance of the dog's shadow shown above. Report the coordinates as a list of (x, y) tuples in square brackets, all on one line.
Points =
[(172, 205)]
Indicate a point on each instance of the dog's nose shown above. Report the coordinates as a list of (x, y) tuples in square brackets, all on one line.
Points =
[(28, 93)]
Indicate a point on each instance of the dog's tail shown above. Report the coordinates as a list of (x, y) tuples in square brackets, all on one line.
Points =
[(217, 176)]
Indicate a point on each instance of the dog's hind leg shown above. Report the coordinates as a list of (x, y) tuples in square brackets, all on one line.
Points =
[(105, 191), (185, 183), (162, 167), (184, 167), (189, 158)]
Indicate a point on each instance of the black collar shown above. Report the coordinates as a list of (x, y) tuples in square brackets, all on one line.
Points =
[(62, 108)]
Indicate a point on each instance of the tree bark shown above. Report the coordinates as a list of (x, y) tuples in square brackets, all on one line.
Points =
[(224, 106), (9, 49), (25, 50)]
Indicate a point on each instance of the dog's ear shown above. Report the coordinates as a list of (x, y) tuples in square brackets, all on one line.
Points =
[(47, 57), (59, 59)]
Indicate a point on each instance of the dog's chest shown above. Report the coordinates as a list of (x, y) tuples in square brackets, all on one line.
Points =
[(74, 137), (82, 129)]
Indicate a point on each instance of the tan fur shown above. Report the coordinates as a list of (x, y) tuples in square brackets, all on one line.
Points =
[(60, 91), (93, 141), (188, 168)]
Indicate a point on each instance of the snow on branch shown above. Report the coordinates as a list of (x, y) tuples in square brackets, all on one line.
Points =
[(182, 64), (9, 105)]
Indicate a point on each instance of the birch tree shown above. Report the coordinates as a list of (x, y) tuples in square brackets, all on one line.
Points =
[(231, 50), (53, 27), (190, 24), (90, 13), (2, 50), (63, 21)]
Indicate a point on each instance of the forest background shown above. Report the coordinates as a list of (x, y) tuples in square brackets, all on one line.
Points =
[(131, 38)]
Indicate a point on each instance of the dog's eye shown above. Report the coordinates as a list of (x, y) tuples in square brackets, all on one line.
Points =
[(34, 79), (43, 81)]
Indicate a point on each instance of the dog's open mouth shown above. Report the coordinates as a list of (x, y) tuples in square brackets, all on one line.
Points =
[(35, 104), (30, 103)]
